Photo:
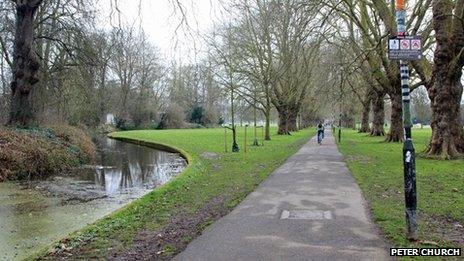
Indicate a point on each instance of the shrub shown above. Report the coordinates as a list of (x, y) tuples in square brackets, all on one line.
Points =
[(119, 123), (203, 116), (123, 124), (221, 121), (173, 118), (76, 139), (39, 152), (197, 115)]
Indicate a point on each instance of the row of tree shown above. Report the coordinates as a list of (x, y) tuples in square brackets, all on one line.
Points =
[(301, 60), (361, 30), (81, 72), (59, 65)]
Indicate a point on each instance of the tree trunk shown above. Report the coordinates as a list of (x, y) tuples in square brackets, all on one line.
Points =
[(287, 119), (101, 95), (267, 116), (283, 121), (267, 125), (292, 121), (255, 131), (447, 130), (445, 90), (378, 108), (365, 118), (235, 147), (349, 122), (396, 133), (25, 66)]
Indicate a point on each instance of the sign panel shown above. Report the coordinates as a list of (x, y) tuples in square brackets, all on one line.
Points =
[(405, 48)]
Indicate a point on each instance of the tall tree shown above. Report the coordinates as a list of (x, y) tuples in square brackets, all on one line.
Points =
[(445, 89), (25, 64), (255, 19), (296, 47), (374, 21)]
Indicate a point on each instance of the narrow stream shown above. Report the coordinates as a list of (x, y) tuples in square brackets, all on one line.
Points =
[(34, 214)]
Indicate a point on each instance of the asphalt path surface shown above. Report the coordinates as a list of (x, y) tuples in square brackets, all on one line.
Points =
[(308, 209)]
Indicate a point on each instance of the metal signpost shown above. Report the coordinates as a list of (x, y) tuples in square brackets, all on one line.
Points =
[(405, 48)]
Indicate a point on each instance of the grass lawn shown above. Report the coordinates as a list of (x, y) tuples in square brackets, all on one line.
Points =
[(172, 215), (377, 167)]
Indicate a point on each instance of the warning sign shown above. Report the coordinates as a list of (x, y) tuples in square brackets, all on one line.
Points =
[(405, 44), (405, 48), (416, 44)]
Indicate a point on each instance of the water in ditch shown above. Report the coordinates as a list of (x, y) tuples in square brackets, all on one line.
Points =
[(34, 214)]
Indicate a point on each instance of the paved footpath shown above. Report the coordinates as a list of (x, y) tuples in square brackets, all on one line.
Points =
[(309, 209)]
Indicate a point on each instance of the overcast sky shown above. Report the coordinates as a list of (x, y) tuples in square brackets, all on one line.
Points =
[(160, 18)]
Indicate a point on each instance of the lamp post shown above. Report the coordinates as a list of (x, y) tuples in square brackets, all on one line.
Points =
[(409, 161)]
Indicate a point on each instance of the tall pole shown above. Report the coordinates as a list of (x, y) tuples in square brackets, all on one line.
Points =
[(409, 159), (255, 139), (234, 130), (341, 100), (245, 142)]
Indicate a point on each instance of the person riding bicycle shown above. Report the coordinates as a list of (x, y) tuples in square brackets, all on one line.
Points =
[(320, 132)]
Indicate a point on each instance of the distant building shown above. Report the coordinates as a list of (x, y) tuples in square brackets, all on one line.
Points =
[(109, 118)]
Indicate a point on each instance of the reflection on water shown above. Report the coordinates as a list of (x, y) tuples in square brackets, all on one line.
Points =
[(123, 167), (34, 214)]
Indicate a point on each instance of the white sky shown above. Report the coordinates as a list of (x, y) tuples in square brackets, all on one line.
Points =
[(160, 18)]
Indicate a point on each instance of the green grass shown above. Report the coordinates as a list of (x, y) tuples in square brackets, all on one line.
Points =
[(231, 176), (377, 167)]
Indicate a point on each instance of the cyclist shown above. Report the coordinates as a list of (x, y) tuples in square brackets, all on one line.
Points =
[(320, 133)]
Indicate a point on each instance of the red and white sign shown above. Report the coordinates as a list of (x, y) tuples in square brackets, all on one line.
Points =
[(407, 48), (405, 44), (415, 44)]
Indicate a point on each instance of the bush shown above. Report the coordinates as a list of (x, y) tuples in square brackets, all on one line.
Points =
[(221, 121), (173, 118), (119, 123), (205, 117), (123, 124), (40, 152), (77, 139), (196, 115), (105, 129)]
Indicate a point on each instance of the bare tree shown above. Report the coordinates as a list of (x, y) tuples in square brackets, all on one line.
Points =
[(445, 87), (25, 64), (374, 21)]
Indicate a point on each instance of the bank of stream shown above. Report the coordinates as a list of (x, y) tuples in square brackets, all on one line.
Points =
[(35, 213)]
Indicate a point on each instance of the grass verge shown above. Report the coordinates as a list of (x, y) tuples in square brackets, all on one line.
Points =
[(161, 224), (377, 167)]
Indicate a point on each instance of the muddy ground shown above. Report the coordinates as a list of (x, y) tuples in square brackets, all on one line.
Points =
[(162, 244)]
